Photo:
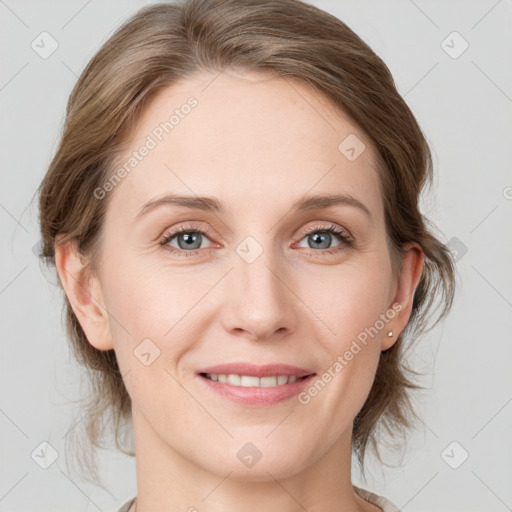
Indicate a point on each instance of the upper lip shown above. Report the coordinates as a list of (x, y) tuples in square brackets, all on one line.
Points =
[(253, 370)]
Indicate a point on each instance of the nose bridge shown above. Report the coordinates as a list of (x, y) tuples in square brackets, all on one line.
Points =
[(259, 277), (260, 301)]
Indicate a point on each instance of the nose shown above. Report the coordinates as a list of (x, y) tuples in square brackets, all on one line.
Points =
[(260, 304)]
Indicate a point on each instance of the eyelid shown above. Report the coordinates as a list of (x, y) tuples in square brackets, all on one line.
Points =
[(330, 227), (184, 228)]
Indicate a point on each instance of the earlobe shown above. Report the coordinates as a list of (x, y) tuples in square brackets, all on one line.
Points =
[(84, 294), (412, 267)]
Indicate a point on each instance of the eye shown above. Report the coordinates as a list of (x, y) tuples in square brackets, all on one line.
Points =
[(320, 237), (189, 240)]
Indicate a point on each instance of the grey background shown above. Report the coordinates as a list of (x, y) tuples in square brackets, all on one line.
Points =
[(464, 106)]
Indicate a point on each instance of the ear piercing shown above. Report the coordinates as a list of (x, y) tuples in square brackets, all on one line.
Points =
[(390, 333)]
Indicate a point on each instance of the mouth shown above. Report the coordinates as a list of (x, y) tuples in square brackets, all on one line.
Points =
[(256, 386), (251, 381)]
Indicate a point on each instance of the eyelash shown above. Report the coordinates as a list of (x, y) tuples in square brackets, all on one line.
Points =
[(332, 229)]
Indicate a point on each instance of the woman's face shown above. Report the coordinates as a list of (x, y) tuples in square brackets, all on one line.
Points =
[(263, 283)]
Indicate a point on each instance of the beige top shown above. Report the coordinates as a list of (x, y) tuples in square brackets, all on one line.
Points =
[(372, 498)]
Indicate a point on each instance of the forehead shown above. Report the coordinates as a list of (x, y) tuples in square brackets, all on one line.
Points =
[(247, 138)]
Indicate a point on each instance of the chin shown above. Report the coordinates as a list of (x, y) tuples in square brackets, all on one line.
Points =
[(248, 463)]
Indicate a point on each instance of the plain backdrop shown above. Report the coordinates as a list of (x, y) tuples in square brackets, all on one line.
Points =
[(452, 63)]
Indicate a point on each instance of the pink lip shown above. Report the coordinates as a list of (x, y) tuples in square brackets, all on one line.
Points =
[(256, 396)]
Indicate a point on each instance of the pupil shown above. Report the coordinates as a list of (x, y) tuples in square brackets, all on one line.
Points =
[(319, 238), (190, 239)]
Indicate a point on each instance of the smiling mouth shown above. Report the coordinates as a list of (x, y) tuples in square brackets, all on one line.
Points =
[(250, 381)]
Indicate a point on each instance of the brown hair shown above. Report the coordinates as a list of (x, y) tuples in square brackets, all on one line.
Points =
[(164, 43)]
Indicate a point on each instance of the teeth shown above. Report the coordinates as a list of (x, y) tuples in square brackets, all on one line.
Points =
[(268, 382), (282, 379), (233, 379), (249, 381)]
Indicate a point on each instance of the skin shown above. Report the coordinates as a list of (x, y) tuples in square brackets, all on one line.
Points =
[(257, 144)]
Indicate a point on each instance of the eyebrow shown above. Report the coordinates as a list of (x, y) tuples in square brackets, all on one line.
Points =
[(212, 204)]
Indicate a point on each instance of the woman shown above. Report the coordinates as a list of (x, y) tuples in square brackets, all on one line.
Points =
[(233, 215)]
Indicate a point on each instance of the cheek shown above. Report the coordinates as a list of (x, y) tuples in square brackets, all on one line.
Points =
[(149, 309), (351, 300), (355, 305), (154, 302)]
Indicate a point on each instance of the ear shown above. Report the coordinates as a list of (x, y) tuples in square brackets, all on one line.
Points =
[(412, 267), (84, 294)]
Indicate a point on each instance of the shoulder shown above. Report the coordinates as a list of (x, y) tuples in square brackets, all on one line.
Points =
[(375, 499)]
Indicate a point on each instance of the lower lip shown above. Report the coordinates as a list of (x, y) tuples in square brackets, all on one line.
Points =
[(257, 396)]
